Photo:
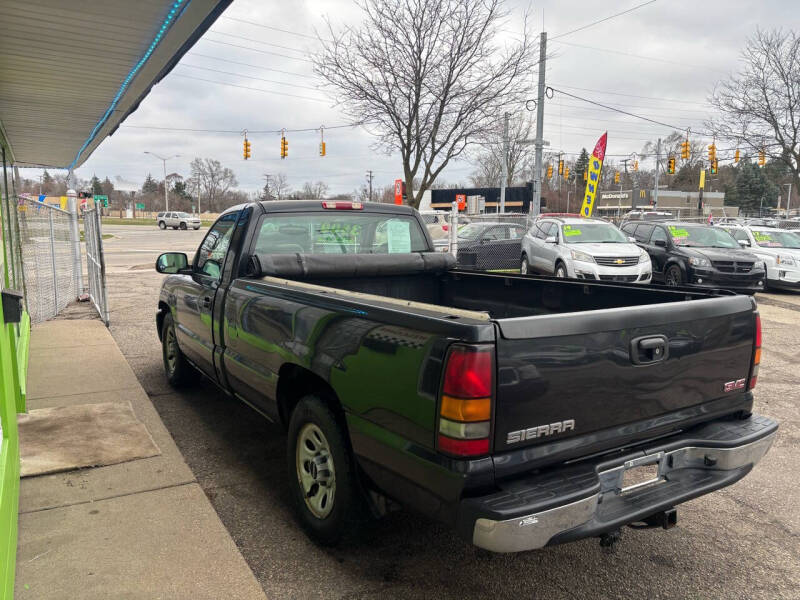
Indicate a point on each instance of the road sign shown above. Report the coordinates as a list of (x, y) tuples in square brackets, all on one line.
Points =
[(139, 206), (103, 199), (461, 199)]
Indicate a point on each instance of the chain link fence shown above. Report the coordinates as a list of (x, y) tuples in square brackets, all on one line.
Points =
[(485, 242), (47, 257), (95, 262)]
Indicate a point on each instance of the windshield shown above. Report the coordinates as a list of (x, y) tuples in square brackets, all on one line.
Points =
[(470, 232), (593, 233), (776, 239), (183, 215), (701, 236)]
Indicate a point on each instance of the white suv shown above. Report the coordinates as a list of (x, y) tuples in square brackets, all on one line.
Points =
[(584, 249), (177, 220), (778, 248)]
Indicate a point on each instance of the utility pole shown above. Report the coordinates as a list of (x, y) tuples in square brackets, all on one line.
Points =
[(504, 164), (788, 200), (369, 178), (655, 191), (539, 142), (164, 162)]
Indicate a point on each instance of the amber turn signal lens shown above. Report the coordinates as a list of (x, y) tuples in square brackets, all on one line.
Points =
[(757, 357), (473, 409)]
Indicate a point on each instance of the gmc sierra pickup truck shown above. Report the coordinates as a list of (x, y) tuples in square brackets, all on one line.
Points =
[(522, 411)]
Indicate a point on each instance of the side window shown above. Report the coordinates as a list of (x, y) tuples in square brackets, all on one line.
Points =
[(516, 232), (739, 234), (493, 233), (553, 232), (629, 228), (658, 234), (211, 254), (540, 229), (643, 233)]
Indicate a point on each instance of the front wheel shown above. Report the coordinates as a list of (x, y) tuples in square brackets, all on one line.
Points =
[(524, 267), (561, 271), (673, 277), (322, 474)]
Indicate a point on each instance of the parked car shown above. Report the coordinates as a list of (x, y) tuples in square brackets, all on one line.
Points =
[(778, 248), (646, 215), (492, 245), (584, 249), (690, 254), (177, 220), (518, 410)]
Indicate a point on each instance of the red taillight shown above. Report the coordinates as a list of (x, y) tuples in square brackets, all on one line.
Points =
[(756, 355), (342, 205), (465, 405), (468, 373)]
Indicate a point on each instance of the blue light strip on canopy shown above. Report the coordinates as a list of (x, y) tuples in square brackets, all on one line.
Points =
[(174, 12)]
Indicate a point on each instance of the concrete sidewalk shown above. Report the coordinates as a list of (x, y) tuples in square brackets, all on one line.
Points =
[(140, 529)]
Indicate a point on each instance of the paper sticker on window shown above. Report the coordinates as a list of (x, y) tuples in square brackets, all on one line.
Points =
[(678, 232), (568, 231), (762, 237), (399, 236)]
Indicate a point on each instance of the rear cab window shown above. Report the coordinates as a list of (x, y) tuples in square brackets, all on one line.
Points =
[(339, 232)]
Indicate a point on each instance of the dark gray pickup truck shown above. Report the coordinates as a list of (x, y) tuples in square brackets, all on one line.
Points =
[(522, 411)]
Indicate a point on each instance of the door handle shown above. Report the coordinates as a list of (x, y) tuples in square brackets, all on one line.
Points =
[(647, 350), (206, 301)]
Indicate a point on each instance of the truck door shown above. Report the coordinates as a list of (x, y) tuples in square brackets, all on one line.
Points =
[(657, 252), (195, 297)]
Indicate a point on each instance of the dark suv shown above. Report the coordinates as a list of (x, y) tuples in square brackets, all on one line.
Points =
[(692, 254)]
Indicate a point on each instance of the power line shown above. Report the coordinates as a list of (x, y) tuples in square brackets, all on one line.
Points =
[(244, 87), (305, 35), (572, 87), (297, 85), (257, 50), (236, 62), (603, 20), (247, 39)]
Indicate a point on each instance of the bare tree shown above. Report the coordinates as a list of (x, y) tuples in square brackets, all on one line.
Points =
[(427, 76), (276, 187), (311, 191), (212, 180), (489, 159), (760, 106)]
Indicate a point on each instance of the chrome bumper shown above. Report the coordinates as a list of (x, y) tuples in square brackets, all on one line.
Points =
[(528, 532)]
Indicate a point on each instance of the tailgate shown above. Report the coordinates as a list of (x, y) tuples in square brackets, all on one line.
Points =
[(561, 376)]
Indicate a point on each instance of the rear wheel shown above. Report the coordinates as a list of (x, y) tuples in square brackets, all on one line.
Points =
[(673, 276), (322, 473), (524, 267), (561, 270), (162, 225), (176, 367)]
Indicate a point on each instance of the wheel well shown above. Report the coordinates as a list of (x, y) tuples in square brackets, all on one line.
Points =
[(163, 309), (294, 382)]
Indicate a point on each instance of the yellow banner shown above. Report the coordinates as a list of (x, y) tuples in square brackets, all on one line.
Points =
[(593, 180), (702, 179), (63, 203)]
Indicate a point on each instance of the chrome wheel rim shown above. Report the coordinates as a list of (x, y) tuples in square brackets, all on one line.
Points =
[(561, 273), (315, 471), (171, 349), (672, 278), (524, 267)]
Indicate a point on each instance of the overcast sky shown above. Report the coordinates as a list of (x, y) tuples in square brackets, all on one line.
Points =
[(660, 61)]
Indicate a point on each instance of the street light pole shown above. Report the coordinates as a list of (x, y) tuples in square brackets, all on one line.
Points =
[(164, 163)]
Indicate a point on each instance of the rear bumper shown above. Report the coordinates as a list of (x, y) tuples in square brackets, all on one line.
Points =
[(587, 499)]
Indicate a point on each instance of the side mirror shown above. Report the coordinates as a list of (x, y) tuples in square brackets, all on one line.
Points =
[(551, 239), (744, 243), (172, 263), (660, 243), (631, 239)]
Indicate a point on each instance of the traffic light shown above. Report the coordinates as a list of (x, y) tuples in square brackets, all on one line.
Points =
[(636, 165), (566, 172), (284, 147), (616, 177), (685, 150), (714, 165), (560, 167), (322, 148), (671, 165), (736, 156), (762, 157), (549, 171), (585, 175), (712, 153), (246, 149)]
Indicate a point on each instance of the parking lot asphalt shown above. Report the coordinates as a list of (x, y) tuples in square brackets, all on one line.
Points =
[(740, 542)]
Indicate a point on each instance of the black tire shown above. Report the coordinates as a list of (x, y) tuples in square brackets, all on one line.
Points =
[(561, 270), (196, 228), (175, 228), (673, 277), (176, 367), (162, 225), (525, 266), (183, 225), (346, 503)]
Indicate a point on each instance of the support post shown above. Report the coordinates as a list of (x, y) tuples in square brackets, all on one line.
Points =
[(75, 238), (53, 258), (539, 142), (454, 229), (655, 191), (504, 165)]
